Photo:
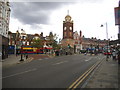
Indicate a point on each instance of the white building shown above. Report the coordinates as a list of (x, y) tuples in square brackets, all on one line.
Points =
[(4, 17), (77, 41)]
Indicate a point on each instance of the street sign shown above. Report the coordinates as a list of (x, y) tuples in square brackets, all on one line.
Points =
[(117, 15)]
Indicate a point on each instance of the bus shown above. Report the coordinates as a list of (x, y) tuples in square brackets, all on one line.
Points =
[(27, 49)]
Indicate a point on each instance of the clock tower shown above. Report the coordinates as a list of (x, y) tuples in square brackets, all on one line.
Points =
[(68, 27)]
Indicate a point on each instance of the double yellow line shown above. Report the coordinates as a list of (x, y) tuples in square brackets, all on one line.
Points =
[(84, 75)]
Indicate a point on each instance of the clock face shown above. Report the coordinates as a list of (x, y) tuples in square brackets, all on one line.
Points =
[(70, 28), (68, 19), (64, 28)]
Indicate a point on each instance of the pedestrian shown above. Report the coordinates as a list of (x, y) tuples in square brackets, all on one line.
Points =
[(85, 53), (114, 55), (66, 53), (26, 56)]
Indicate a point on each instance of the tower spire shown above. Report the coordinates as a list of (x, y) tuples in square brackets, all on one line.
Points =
[(68, 12)]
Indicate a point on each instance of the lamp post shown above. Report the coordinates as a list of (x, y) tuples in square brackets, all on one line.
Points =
[(21, 49), (119, 34), (107, 39)]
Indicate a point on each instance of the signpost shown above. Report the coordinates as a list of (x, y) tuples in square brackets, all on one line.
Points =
[(117, 20), (117, 15)]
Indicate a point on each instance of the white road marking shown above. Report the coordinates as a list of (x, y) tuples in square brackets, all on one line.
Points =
[(40, 59), (88, 59), (94, 58), (60, 62), (19, 73)]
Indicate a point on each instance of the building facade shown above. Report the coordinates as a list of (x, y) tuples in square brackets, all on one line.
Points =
[(4, 26), (4, 17), (20, 38), (77, 41), (92, 43)]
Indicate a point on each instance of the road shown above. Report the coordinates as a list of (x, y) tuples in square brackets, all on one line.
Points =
[(58, 72)]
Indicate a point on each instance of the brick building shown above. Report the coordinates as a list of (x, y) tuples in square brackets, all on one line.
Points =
[(76, 40), (21, 38), (67, 32)]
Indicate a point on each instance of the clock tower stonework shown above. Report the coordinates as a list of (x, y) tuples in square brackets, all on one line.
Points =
[(67, 32), (68, 28)]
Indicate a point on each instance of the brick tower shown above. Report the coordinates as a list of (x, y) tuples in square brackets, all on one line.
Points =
[(68, 27)]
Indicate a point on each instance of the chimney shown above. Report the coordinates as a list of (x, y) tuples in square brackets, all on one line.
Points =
[(80, 37), (80, 33)]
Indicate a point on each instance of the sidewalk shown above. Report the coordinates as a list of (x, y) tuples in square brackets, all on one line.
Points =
[(105, 76), (13, 59)]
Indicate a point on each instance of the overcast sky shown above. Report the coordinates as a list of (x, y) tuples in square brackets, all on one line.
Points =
[(36, 16)]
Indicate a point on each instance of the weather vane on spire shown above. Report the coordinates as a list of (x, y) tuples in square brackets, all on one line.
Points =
[(68, 12)]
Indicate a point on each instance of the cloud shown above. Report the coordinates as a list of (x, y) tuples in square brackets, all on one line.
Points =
[(56, 1), (33, 12)]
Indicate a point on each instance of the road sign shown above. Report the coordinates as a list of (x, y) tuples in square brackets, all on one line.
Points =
[(117, 16)]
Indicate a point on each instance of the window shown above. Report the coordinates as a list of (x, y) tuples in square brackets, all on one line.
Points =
[(64, 28), (27, 43), (36, 38), (70, 33), (70, 28), (23, 42)]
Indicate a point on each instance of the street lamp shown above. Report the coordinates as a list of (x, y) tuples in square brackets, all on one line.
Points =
[(106, 30), (21, 49), (107, 39)]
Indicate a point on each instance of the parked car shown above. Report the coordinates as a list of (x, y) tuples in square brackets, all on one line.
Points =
[(107, 53), (83, 51)]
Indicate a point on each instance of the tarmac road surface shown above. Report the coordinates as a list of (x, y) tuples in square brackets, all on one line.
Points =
[(58, 72)]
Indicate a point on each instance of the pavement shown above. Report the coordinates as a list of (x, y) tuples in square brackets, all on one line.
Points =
[(104, 76), (14, 60)]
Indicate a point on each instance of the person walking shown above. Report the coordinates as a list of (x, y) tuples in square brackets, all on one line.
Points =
[(114, 55), (26, 56)]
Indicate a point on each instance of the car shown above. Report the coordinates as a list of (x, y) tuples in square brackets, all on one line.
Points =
[(107, 53), (83, 51)]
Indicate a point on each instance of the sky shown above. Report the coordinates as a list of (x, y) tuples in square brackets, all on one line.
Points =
[(36, 16)]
